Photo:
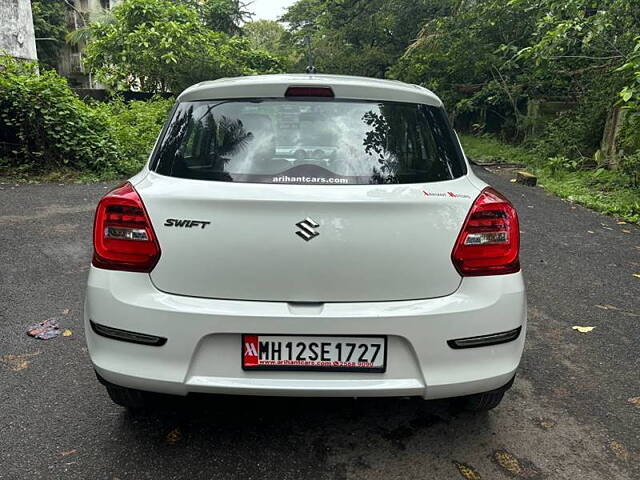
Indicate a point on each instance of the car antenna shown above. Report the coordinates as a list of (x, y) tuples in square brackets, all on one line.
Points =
[(311, 68)]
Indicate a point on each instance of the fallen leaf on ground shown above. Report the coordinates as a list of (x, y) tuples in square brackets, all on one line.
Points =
[(589, 231), (546, 423), (67, 333), (635, 401), (637, 275), (583, 329), (67, 452), (515, 466), (626, 231), (467, 471), (619, 450), (65, 311), (16, 363), (622, 223), (513, 180), (173, 437), (44, 330), (508, 462)]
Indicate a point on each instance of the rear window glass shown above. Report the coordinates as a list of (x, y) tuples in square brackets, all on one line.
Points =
[(326, 142)]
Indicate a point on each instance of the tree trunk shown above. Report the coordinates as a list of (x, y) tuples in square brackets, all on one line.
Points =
[(609, 144)]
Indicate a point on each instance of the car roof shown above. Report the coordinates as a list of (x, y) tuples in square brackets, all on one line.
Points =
[(343, 86)]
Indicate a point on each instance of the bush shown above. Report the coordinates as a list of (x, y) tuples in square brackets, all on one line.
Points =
[(574, 134), (48, 127), (630, 166), (51, 126), (134, 128)]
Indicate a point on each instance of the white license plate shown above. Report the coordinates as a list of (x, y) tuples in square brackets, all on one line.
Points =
[(307, 352)]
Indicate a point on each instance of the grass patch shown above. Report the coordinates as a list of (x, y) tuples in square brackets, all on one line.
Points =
[(62, 175), (486, 149), (602, 190)]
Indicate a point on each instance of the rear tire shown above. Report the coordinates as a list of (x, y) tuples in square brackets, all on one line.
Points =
[(483, 402), (128, 398)]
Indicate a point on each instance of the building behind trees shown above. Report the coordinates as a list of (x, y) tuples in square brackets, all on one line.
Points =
[(17, 36)]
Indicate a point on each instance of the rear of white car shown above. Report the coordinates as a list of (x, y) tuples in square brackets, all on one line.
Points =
[(306, 235)]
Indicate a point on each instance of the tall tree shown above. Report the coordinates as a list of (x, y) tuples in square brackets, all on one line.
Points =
[(363, 37), (468, 56), (159, 46), (271, 36), (226, 16)]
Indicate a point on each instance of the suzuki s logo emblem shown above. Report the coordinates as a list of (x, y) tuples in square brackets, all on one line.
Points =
[(307, 231)]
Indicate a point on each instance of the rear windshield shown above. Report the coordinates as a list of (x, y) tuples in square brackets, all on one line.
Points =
[(309, 142)]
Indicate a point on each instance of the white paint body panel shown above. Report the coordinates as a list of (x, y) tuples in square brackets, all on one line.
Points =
[(344, 87), (203, 350), (375, 242), (248, 272)]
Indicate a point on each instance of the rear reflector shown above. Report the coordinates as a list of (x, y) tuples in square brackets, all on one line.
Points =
[(309, 92), (489, 242), (123, 237), (127, 336), (485, 340)]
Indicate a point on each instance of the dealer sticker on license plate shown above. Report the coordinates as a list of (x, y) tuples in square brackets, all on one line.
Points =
[(306, 352)]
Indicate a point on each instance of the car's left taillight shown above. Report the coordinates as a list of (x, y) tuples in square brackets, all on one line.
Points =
[(123, 237)]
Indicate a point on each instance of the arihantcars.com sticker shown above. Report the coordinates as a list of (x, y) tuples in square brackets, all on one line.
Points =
[(310, 180)]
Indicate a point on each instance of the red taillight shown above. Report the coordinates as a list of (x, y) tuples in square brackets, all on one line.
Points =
[(489, 243), (309, 92), (123, 237)]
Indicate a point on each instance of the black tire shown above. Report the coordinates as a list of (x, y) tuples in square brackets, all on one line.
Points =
[(128, 397), (483, 402)]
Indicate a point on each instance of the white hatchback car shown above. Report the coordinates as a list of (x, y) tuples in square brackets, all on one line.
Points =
[(306, 235)]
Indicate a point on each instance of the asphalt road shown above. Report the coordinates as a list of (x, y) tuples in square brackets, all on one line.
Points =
[(569, 415)]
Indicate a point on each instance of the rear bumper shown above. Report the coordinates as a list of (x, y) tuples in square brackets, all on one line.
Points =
[(202, 351)]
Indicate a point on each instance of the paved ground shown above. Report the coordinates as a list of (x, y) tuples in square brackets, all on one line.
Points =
[(568, 417)]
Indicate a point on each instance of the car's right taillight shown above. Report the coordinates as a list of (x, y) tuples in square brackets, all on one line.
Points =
[(489, 243), (123, 237)]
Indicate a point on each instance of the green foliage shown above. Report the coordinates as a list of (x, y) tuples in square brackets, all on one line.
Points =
[(630, 165), (487, 149), (49, 23), (489, 58), (358, 37), (588, 46), (629, 140), (50, 128), (556, 164), (272, 37), (606, 191), (265, 34), (162, 46), (134, 127), (225, 16), (575, 133), (467, 56)]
